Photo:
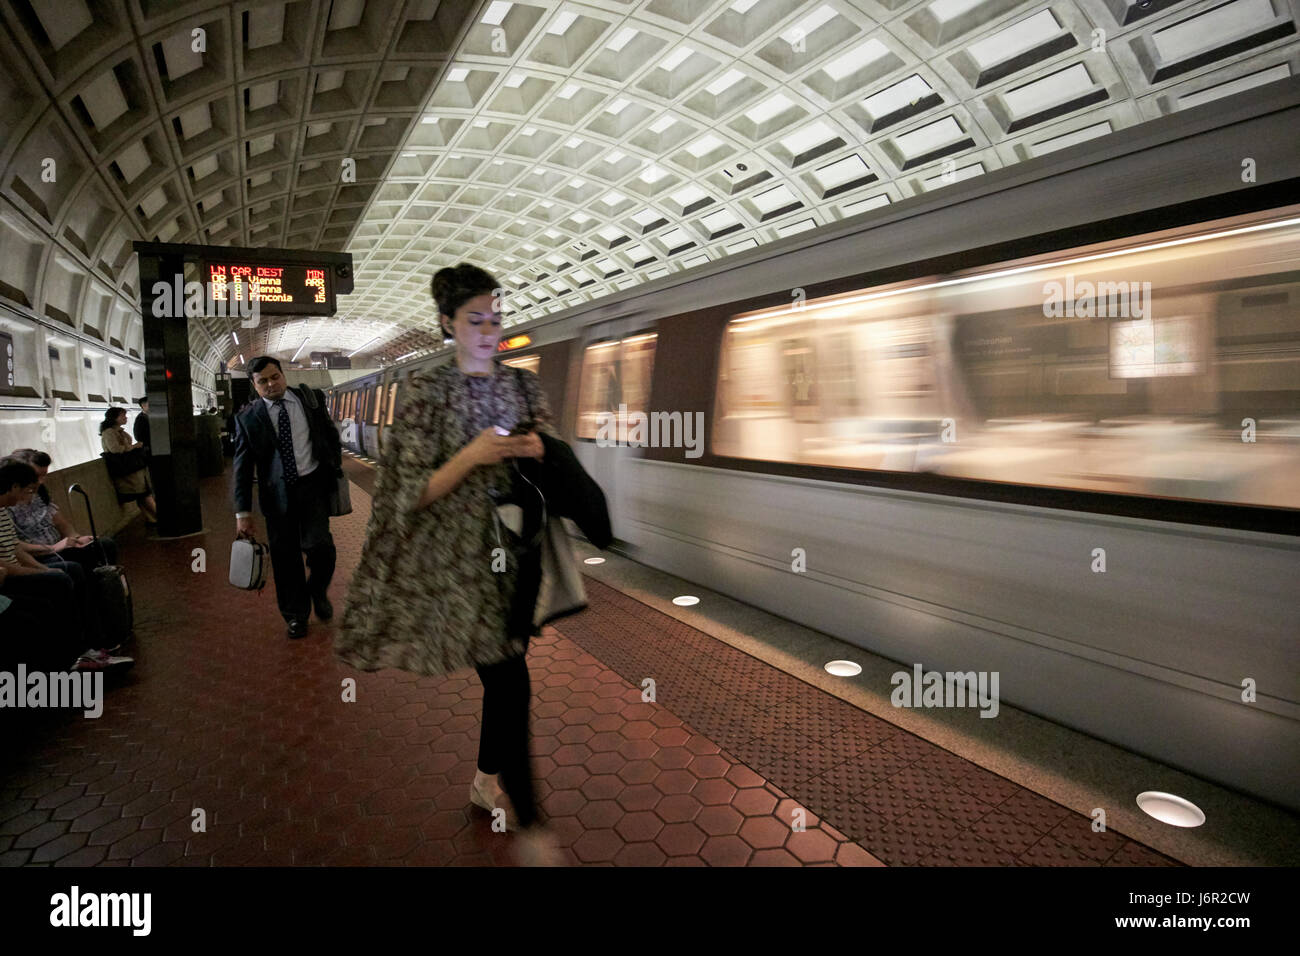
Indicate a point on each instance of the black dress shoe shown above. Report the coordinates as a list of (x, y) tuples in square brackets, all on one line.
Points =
[(297, 629), (323, 608)]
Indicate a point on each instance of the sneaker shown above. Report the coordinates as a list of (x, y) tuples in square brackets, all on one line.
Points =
[(99, 660)]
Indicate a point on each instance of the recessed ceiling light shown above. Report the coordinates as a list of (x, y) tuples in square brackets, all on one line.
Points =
[(725, 82), (569, 91), (515, 80), (481, 124), (618, 106), (808, 137), (661, 124), (496, 12), (573, 142), (808, 25), (613, 198), (528, 130), (717, 221), (704, 145), (742, 6), (615, 156), (843, 668), (1171, 809), (623, 38), (562, 23), (857, 58), (428, 119), (688, 194), (457, 75), (652, 174), (675, 59), (772, 106), (577, 183), (894, 98)]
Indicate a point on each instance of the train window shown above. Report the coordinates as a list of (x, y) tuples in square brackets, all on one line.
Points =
[(1128, 367), (530, 363), (615, 373), (392, 403), (375, 402)]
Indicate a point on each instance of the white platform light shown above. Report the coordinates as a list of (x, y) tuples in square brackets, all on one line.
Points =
[(593, 560), (843, 668), (686, 600), (1171, 809)]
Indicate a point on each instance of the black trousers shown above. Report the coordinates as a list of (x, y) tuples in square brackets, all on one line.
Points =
[(303, 530), (63, 595), (503, 741)]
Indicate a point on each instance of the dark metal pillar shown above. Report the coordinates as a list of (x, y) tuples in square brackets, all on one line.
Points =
[(171, 403)]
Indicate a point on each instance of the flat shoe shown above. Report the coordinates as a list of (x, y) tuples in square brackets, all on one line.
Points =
[(487, 802)]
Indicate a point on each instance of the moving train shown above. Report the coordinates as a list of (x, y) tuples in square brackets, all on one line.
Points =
[(1045, 422)]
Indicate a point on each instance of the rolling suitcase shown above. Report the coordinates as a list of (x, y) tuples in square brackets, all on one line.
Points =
[(112, 592)]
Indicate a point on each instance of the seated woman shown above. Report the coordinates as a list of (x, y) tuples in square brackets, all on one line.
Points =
[(60, 595), (132, 485), (50, 537)]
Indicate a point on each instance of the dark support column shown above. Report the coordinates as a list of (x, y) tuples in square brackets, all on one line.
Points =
[(171, 403)]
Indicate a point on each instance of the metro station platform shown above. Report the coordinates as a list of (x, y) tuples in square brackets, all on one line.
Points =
[(223, 713)]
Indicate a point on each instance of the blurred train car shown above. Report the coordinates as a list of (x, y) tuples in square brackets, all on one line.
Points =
[(1010, 431)]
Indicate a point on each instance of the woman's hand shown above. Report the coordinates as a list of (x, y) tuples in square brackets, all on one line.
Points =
[(530, 446), (489, 448)]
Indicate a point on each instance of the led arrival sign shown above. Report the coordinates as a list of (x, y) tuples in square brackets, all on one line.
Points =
[(278, 288)]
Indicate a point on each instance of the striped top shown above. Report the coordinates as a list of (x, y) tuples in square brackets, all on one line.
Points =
[(8, 537)]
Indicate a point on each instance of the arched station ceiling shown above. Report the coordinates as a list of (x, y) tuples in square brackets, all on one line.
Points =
[(573, 148)]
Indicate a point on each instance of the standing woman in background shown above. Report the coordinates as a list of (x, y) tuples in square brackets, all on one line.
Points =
[(132, 484), (425, 597)]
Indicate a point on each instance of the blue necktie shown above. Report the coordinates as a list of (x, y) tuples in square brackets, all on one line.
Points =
[(286, 445)]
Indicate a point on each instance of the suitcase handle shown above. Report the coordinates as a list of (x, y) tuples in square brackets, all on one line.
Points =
[(91, 515)]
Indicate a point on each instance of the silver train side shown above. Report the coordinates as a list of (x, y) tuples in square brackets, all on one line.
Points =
[(1152, 655)]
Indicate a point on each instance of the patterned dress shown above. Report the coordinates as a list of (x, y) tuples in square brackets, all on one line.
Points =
[(424, 597)]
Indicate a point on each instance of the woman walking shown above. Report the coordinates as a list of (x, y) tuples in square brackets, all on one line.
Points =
[(430, 594), (132, 483)]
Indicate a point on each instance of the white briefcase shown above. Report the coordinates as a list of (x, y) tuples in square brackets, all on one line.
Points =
[(248, 562)]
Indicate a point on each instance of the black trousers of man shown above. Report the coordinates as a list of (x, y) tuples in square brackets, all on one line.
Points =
[(303, 530)]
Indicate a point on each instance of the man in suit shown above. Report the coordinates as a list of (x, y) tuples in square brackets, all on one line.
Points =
[(141, 426), (287, 437)]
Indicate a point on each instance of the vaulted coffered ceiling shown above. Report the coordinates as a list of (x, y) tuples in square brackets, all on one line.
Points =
[(574, 149)]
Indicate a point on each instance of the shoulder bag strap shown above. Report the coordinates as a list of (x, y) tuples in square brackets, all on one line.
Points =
[(519, 377)]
